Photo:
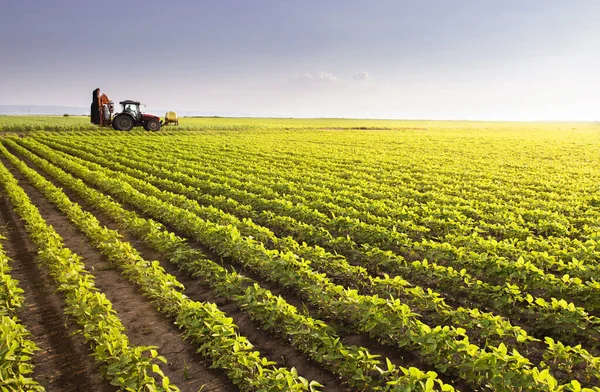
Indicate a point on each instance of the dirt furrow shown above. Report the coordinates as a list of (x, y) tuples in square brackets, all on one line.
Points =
[(144, 324), (64, 362), (269, 346)]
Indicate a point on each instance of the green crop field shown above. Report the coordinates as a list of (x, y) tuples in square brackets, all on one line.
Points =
[(300, 254)]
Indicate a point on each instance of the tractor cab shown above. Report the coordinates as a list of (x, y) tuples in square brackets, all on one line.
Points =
[(132, 108)]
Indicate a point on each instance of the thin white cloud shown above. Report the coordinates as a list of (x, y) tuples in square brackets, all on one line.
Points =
[(326, 77), (322, 77), (361, 76)]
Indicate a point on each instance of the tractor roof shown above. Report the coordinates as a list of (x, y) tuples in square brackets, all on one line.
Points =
[(125, 102)]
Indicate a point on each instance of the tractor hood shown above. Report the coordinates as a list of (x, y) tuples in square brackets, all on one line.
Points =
[(146, 116)]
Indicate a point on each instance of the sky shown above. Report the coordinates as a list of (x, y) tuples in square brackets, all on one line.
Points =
[(405, 59)]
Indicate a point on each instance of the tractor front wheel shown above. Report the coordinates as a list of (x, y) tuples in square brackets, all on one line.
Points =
[(123, 122), (152, 125)]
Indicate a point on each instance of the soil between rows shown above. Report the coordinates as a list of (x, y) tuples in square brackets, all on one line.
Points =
[(144, 325), (534, 350), (63, 362), (271, 347), (398, 357)]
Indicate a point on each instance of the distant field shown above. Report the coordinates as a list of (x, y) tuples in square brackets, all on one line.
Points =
[(59, 123), (302, 254)]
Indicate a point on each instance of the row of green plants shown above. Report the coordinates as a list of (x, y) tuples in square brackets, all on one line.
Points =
[(438, 219), (536, 221), (443, 219), (202, 322), (126, 366), (387, 168), (483, 328), (334, 265), (405, 235), (563, 319), (16, 347), (369, 204), (315, 338), (475, 253), (389, 321)]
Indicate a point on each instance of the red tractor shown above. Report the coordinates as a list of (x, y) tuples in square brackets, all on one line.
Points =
[(130, 116)]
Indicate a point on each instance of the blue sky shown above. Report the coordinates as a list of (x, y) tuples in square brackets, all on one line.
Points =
[(436, 59)]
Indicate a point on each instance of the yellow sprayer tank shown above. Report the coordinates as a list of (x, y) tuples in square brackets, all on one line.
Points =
[(171, 118)]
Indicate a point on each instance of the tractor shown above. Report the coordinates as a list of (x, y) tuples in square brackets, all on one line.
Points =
[(131, 116), (102, 110)]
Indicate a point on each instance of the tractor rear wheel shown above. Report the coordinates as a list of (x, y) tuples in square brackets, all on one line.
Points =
[(123, 122), (152, 125)]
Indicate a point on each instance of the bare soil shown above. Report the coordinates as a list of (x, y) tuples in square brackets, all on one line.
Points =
[(146, 326), (65, 362)]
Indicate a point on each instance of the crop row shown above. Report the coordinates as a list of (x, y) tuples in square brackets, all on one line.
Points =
[(443, 218), (486, 258), (439, 220), (313, 337), (392, 184), (334, 265), (485, 327), (129, 367), (16, 349), (389, 321), (568, 321), (346, 181), (202, 323)]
